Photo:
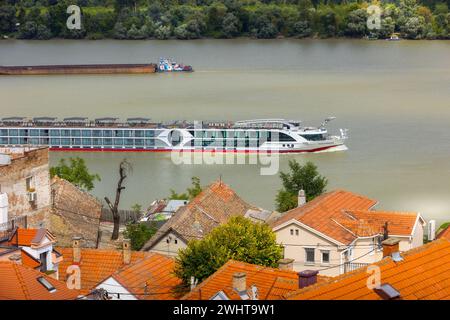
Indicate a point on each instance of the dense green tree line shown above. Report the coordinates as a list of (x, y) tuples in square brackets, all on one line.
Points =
[(192, 19)]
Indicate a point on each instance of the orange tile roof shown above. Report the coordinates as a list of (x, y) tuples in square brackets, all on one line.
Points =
[(212, 207), (272, 283), (96, 265), (344, 216), (444, 234), (424, 274), (399, 223), (151, 278), (18, 282), (28, 237), (29, 261)]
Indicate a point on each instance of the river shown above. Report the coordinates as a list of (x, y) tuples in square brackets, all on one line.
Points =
[(394, 97)]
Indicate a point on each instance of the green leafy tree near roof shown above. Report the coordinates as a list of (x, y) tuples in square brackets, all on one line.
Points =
[(139, 234), (75, 172), (239, 239), (304, 177), (192, 192)]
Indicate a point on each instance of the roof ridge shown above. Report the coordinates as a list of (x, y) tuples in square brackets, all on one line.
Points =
[(21, 281)]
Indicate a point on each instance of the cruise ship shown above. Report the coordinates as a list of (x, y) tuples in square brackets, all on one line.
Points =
[(142, 134)]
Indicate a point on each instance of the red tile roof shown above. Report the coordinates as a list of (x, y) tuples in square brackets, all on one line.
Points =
[(29, 261), (96, 265), (145, 267), (151, 278), (424, 274), (28, 237), (18, 282), (271, 283), (344, 216)]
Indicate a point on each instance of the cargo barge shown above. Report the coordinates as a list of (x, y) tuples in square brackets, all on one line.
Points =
[(142, 134), (79, 69)]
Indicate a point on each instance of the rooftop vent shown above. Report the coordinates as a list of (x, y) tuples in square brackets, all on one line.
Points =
[(387, 292), (46, 284), (44, 119), (396, 256), (75, 119), (13, 119)]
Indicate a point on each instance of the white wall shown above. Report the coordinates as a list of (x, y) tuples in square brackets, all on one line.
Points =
[(3, 208), (113, 287)]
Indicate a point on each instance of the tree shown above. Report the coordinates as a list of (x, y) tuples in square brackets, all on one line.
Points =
[(139, 234), (239, 239), (300, 177), (192, 192), (75, 172), (124, 169), (230, 26), (356, 23), (7, 18)]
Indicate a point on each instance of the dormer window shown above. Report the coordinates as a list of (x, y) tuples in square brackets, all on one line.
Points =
[(296, 232), (292, 232)]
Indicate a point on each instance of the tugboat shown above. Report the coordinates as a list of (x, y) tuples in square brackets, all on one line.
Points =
[(168, 65), (393, 37)]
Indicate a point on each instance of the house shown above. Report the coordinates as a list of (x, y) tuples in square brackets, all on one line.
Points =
[(74, 213), (421, 273), (123, 274), (150, 278), (339, 231), (32, 248), (30, 199), (214, 206), (24, 178), (237, 280), (18, 282)]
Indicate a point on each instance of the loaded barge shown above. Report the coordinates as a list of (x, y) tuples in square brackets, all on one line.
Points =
[(79, 69), (165, 65), (142, 134)]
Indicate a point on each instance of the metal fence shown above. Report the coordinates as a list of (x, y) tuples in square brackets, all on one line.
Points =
[(126, 216), (350, 266)]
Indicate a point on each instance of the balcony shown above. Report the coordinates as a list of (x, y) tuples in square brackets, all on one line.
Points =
[(351, 266)]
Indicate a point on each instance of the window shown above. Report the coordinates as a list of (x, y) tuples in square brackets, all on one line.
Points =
[(29, 184), (46, 284), (176, 241), (325, 256), (309, 255), (296, 232), (292, 232)]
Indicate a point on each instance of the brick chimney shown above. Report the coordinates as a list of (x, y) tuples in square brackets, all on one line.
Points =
[(240, 281), (286, 264), (301, 198), (126, 245), (76, 249), (390, 246), (307, 278)]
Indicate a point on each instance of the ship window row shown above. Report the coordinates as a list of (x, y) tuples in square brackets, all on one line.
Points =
[(79, 141), (242, 134), (77, 133)]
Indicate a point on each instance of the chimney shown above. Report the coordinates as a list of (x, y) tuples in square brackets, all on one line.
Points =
[(390, 246), (307, 278), (126, 245), (76, 249), (240, 281), (286, 264), (301, 198)]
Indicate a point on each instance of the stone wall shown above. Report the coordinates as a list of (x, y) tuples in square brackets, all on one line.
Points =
[(74, 213), (32, 165)]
